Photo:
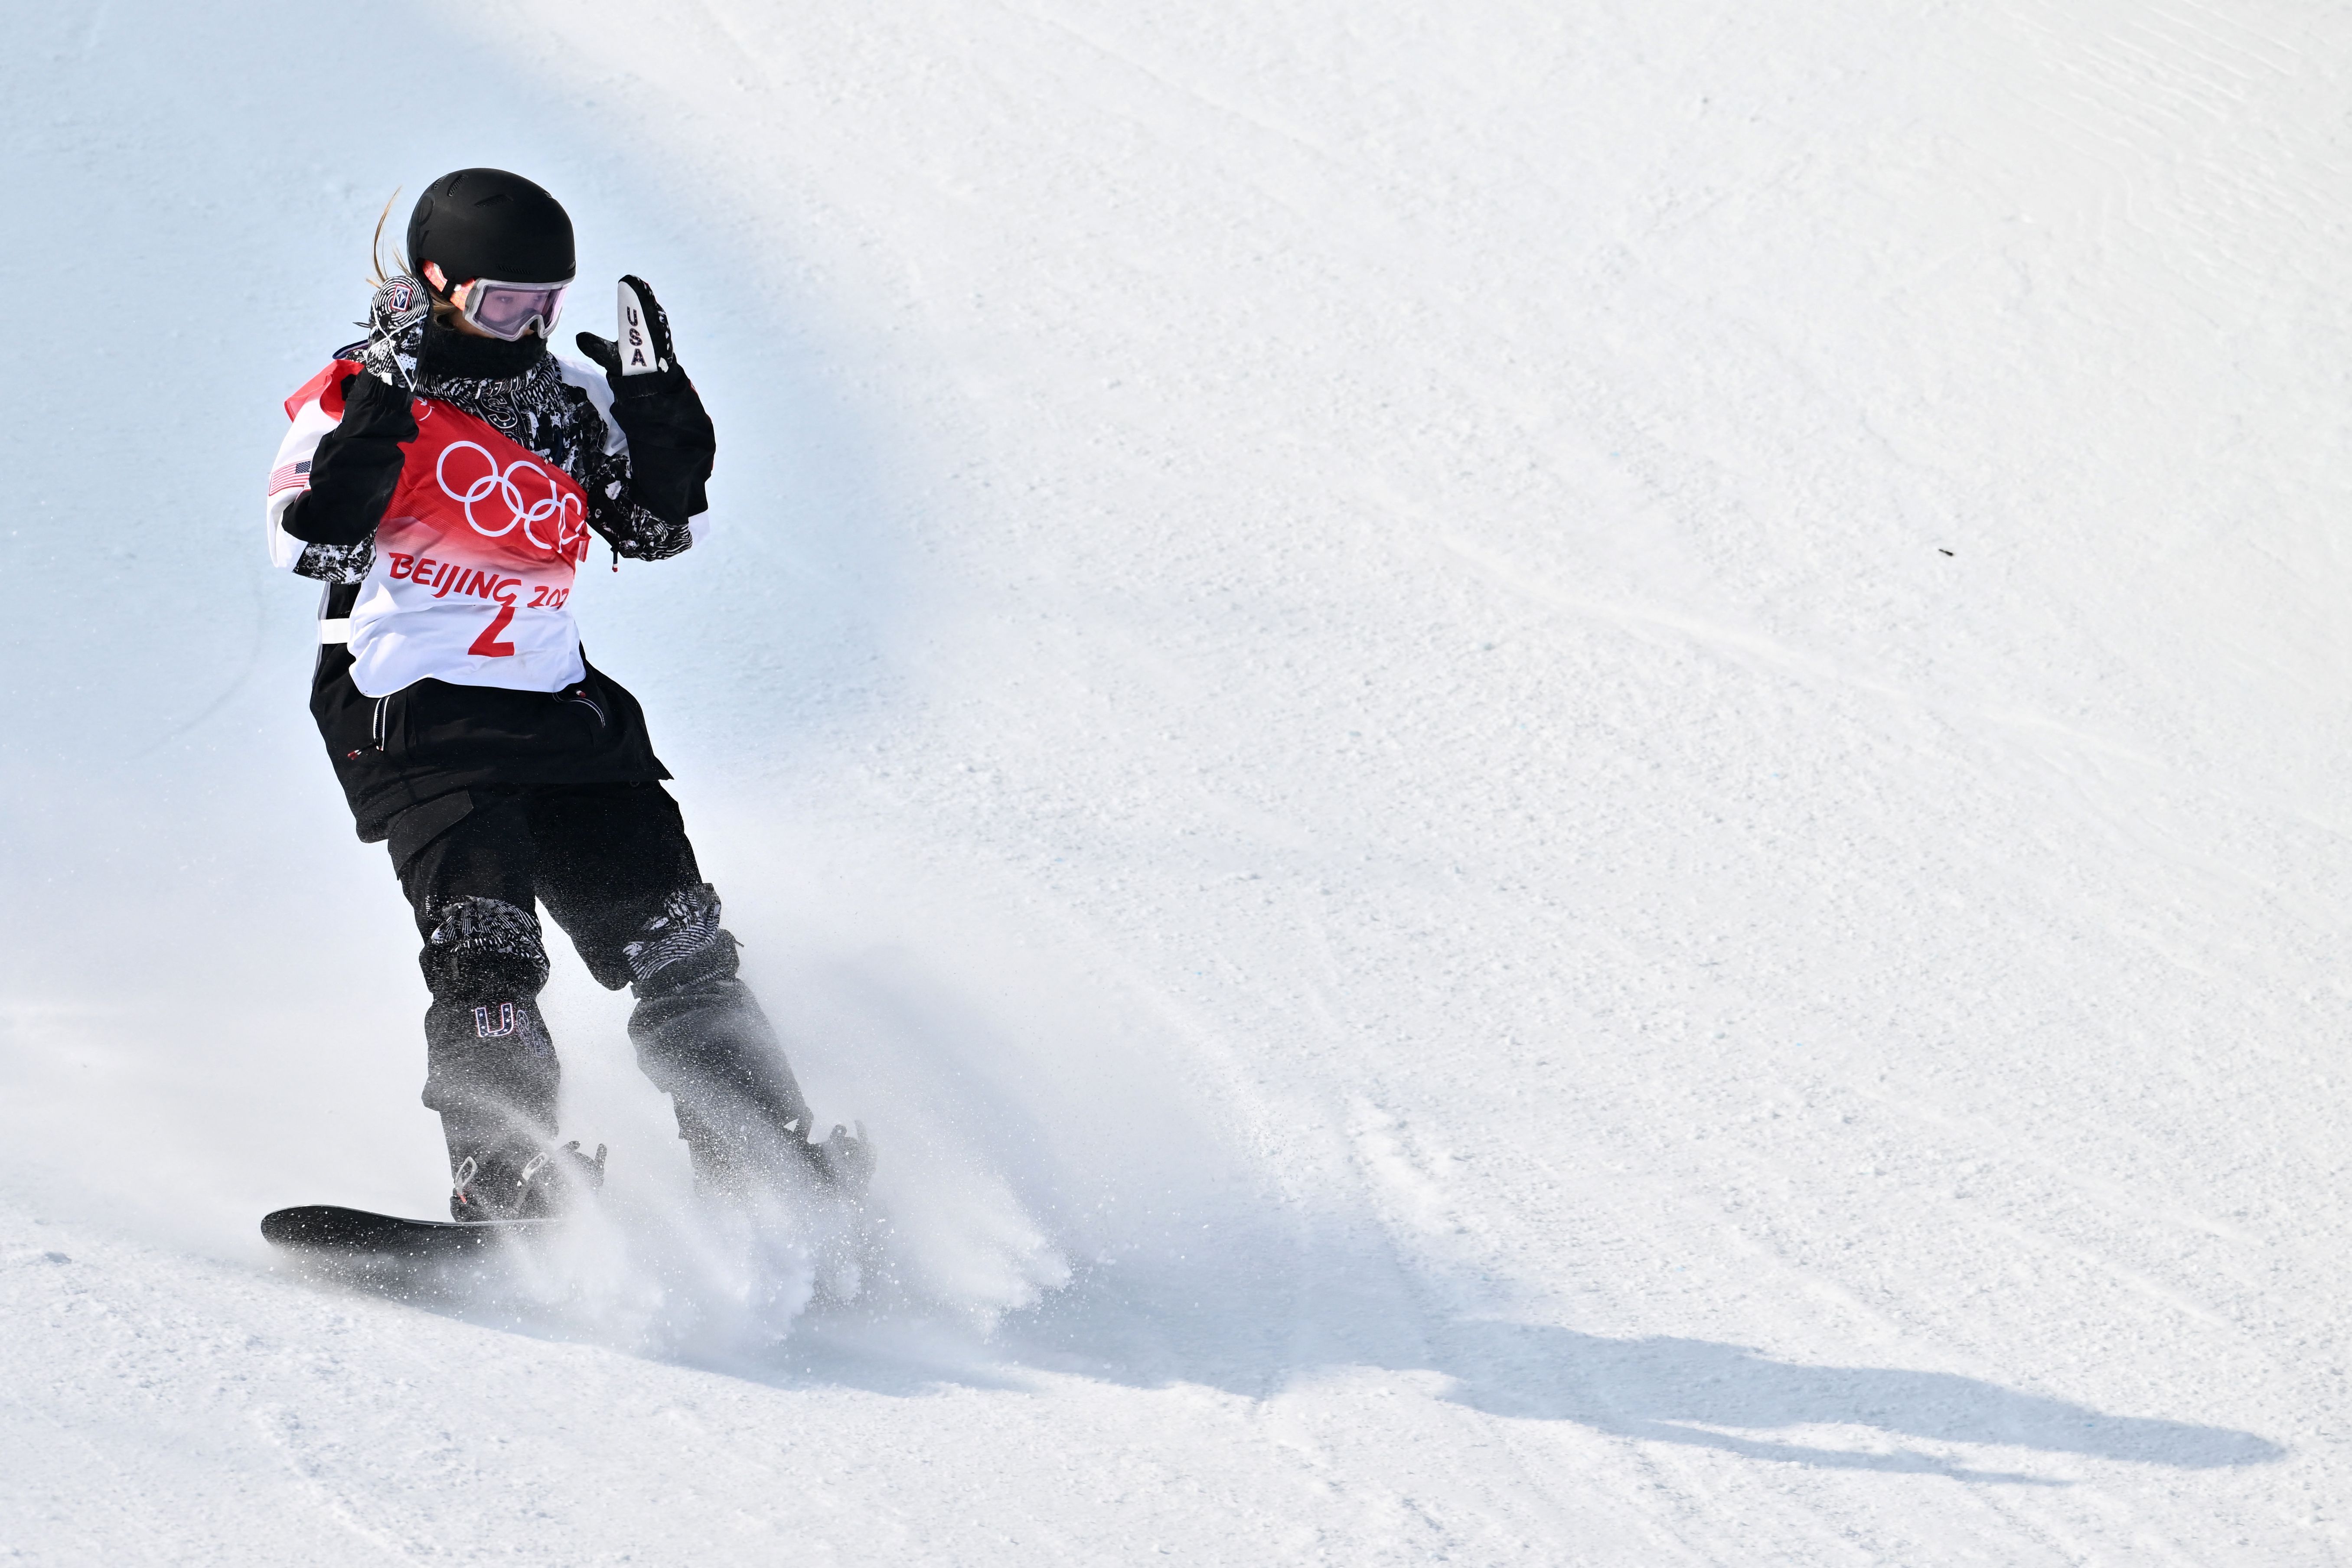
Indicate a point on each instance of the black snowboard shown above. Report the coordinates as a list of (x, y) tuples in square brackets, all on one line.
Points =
[(329, 1233)]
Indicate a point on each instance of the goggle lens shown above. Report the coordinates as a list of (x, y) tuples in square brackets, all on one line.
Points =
[(509, 310)]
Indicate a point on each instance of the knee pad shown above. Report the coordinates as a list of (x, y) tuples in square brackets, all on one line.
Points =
[(682, 944), (484, 947)]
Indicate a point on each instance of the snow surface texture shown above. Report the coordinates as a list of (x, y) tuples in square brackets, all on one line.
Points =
[(1569, 782)]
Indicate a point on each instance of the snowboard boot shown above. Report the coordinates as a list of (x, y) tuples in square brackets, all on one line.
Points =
[(745, 1156), (521, 1182), (704, 1041), (490, 1069)]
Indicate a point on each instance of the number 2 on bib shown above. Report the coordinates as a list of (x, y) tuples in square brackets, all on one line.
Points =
[(487, 645)]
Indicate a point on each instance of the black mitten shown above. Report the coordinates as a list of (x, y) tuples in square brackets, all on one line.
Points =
[(356, 467), (671, 443)]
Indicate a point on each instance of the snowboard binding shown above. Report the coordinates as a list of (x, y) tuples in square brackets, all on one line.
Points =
[(543, 1184)]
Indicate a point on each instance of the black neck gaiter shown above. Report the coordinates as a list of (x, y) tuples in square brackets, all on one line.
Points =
[(448, 354)]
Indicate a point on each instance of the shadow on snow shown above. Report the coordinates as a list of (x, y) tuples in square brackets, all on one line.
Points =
[(1254, 1344)]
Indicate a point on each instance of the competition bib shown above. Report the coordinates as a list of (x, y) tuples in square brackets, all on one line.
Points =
[(474, 560)]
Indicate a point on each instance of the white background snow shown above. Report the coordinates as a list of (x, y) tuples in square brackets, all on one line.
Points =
[(1569, 781)]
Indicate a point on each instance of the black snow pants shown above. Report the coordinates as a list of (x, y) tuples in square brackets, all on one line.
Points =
[(610, 863)]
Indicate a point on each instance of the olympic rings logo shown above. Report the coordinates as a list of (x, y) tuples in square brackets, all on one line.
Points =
[(500, 482)]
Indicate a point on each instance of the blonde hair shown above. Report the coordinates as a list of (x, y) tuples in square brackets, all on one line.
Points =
[(377, 275)]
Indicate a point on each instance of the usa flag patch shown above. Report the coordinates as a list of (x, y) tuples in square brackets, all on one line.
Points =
[(292, 476)]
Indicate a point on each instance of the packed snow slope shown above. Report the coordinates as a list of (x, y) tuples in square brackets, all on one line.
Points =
[(1570, 784)]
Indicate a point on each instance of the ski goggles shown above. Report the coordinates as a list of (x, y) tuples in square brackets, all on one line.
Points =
[(509, 310)]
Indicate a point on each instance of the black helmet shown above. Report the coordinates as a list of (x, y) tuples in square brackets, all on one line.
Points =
[(487, 223)]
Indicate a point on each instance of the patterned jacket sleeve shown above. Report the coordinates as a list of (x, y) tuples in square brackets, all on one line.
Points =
[(290, 480), (631, 529), (395, 324)]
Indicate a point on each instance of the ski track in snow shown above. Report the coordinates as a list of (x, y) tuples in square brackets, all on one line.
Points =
[(1566, 782)]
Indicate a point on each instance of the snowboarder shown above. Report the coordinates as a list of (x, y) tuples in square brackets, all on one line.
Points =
[(443, 479)]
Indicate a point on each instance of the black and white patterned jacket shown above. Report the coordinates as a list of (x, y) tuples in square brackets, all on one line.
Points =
[(560, 410)]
